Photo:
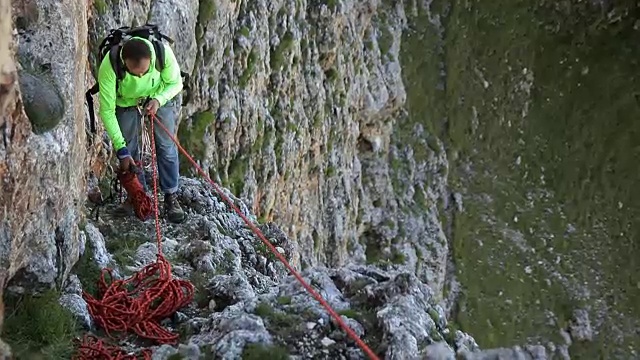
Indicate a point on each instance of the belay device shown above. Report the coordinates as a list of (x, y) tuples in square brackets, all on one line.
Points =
[(113, 43)]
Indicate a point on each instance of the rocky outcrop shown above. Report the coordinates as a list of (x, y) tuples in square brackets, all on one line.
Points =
[(298, 108), (247, 305), (9, 98), (44, 151), (293, 105)]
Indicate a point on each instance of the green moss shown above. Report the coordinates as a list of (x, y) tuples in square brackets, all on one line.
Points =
[(433, 314), (87, 270), (284, 300), (373, 253), (332, 4), (260, 352), (206, 12), (236, 174), (37, 325), (385, 40), (124, 249), (192, 137), (350, 313), (264, 250), (249, 70), (317, 121), (576, 164), (201, 296), (329, 171), (101, 6), (397, 257), (263, 310), (331, 74), (277, 54), (276, 319)]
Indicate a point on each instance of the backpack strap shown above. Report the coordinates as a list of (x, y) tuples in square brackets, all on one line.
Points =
[(92, 116), (116, 63), (158, 47)]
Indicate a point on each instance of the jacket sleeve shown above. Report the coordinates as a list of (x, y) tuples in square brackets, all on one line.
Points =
[(170, 76), (107, 84)]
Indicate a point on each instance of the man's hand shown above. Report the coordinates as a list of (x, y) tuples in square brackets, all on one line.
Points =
[(152, 106), (126, 164)]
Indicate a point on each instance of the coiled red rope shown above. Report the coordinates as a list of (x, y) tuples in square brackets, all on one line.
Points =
[(93, 348), (151, 300), (136, 304), (140, 201)]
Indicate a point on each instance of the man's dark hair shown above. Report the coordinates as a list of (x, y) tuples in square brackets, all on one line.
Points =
[(136, 50)]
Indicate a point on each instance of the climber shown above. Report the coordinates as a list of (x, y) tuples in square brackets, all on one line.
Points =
[(143, 89)]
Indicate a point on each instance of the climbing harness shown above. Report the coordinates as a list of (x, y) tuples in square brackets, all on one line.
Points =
[(140, 302)]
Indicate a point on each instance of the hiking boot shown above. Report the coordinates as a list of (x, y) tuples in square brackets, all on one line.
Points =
[(172, 208), (124, 209)]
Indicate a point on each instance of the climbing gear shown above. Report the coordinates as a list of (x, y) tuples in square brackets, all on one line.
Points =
[(112, 44), (141, 301), (172, 208), (117, 311), (90, 347), (140, 201)]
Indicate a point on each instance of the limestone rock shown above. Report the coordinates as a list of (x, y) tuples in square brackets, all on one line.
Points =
[(287, 108), (44, 174), (42, 102), (247, 305)]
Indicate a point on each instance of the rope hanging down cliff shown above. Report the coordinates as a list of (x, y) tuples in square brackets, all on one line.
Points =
[(156, 295), (140, 302)]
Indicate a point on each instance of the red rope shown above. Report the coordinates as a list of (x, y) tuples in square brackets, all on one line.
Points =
[(136, 304), (140, 201), (365, 348), (93, 348)]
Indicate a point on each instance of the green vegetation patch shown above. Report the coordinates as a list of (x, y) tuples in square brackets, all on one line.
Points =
[(38, 326), (260, 351), (192, 137), (538, 112)]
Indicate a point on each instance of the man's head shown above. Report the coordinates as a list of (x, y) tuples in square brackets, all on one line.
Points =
[(137, 56)]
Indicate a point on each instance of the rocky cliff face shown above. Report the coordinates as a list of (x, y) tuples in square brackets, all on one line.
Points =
[(292, 107), (292, 104), (324, 118), (246, 305), (45, 156)]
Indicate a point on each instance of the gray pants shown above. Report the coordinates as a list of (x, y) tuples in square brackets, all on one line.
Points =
[(166, 150)]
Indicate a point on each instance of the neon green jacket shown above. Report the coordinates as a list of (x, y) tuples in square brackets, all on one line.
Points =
[(162, 86)]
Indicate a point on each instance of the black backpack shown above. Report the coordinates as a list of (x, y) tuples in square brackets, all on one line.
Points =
[(113, 43)]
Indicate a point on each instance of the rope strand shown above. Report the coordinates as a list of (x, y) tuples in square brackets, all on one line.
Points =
[(138, 303), (363, 346)]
